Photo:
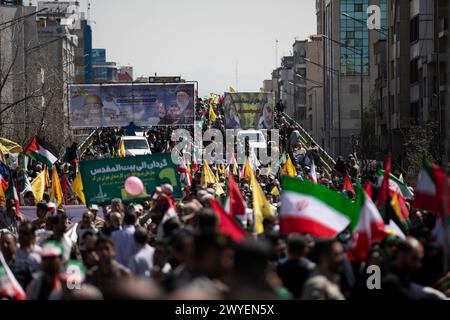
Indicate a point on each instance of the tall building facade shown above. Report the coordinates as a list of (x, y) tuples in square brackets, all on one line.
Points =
[(20, 85), (348, 72), (417, 64), (299, 86), (313, 80)]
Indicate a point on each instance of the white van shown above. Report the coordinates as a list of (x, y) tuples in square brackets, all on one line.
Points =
[(135, 145)]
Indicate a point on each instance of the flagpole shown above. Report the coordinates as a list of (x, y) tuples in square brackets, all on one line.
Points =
[(445, 160)]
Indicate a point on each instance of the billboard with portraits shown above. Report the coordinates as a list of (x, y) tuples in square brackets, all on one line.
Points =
[(249, 110), (111, 105)]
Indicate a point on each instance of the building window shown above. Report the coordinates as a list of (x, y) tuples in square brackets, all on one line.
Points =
[(414, 112), (414, 71), (414, 29), (358, 7)]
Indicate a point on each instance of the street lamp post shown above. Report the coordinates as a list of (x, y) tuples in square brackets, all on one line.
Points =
[(336, 72)]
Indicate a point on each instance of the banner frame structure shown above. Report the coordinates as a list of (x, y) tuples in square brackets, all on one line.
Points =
[(164, 88)]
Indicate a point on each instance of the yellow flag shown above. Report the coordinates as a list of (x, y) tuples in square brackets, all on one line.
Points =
[(275, 191), (231, 89), (289, 168), (2, 197), (77, 186), (235, 170), (223, 169), (188, 168), (38, 186), (207, 175), (122, 149), (217, 174), (248, 173), (396, 205), (212, 114), (47, 178), (261, 207), (56, 193), (219, 189)]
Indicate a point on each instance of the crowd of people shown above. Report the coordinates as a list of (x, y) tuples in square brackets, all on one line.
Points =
[(138, 251)]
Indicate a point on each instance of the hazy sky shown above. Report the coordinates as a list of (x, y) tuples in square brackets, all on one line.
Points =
[(201, 39)]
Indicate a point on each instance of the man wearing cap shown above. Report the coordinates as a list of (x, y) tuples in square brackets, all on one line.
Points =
[(98, 222), (46, 285)]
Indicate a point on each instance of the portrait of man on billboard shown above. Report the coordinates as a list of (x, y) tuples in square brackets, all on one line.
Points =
[(266, 119), (185, 105)]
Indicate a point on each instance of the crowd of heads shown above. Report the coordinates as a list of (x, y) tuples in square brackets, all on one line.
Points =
[(165, 248)]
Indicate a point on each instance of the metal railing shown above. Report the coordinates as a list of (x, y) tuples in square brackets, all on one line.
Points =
[(87, 143), (327, 161)]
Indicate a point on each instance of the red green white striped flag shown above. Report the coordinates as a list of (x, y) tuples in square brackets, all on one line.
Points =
[(310, 208), (367, 226), (429, 188)]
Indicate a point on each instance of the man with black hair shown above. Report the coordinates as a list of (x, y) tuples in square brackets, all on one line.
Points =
[(294, 271), (59, 227), (108, 269), (20, 268), (28, 251), (87, 249), (124, 239), (251, 271), (398, 282), (141, 263), (207, 220), (41, 214), (323, 284)]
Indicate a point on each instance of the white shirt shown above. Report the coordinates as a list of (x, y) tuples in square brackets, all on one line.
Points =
[(141, 263), (124, 244)]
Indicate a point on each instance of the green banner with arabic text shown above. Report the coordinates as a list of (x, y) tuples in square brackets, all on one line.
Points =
[(103, 180)]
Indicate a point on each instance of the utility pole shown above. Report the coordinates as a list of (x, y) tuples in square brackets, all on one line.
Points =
[(445, 157), (276, 53)]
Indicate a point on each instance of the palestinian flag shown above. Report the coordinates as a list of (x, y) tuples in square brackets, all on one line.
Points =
[(429, 189), (39, 151), (310, 208), (396, 184), (11, 193), (367, 227)]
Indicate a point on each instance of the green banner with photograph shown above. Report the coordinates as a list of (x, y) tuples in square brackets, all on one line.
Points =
[(103, 180)]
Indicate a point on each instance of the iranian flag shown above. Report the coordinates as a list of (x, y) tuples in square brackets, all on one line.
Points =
[(38, 150), (235, 204), (367, 226), (310, 208), (395, 184), (429, 190)]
